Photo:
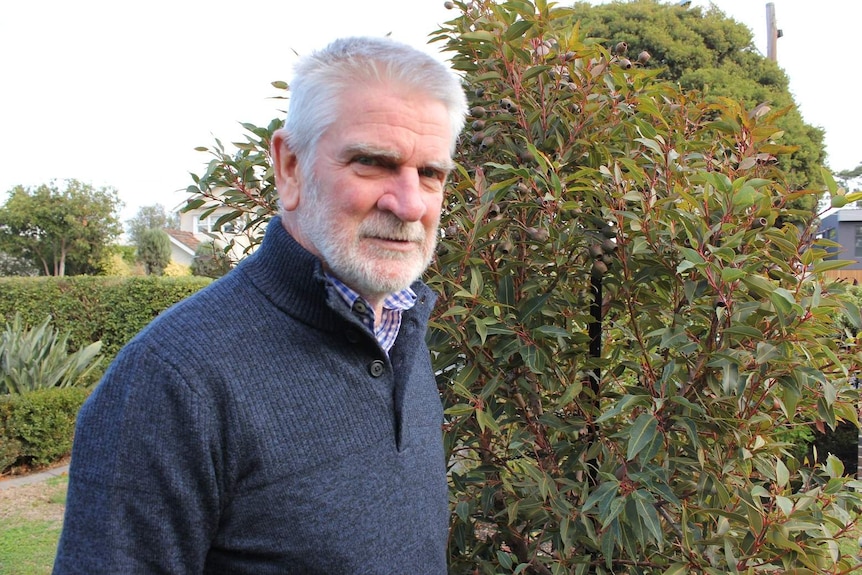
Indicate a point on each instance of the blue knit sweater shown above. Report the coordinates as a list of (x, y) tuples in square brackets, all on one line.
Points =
[(257, 427)]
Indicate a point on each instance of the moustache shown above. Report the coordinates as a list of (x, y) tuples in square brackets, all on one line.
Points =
[(390, 227)]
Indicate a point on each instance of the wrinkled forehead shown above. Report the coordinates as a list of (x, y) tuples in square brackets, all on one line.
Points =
[(400, 124)]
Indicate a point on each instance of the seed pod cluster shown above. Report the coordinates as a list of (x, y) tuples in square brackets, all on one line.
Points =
[(540, 235), (507, 105), (602, 252)]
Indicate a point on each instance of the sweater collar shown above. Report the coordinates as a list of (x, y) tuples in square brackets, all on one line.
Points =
[(293, 279)]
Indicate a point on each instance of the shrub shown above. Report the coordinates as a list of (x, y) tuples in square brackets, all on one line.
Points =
[(175, 270), (154, 250), (39, 358), (107, 309), (210, 261), (630, 327), (37, 428)]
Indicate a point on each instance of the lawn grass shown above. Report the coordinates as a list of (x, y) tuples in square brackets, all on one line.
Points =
[(30, 528), (28, 548)]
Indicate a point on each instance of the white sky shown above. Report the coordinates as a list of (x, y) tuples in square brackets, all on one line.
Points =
[(120, 93)]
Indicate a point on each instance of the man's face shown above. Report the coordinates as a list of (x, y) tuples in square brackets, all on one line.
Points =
[(371, 208)]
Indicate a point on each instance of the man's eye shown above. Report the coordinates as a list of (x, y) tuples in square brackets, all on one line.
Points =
[(366, 161), (430, 173)]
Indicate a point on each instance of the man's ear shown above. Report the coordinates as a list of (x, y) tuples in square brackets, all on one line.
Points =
[(285, 166)]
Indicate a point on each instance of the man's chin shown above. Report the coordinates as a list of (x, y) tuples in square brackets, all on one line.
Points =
[(387, 279)]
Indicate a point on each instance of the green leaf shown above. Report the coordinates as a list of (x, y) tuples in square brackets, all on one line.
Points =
[(623, 405), (532, 306), (506, 291), (732, 274), (642, 433), (649, 516), (486, 421), (534, 71), (479, 35), (692, 256), (782, 474), (517, 30)]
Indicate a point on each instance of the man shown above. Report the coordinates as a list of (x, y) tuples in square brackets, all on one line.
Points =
[(286, 418)]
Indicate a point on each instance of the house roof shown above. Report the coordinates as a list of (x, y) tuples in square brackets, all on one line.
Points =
[(185, 240)]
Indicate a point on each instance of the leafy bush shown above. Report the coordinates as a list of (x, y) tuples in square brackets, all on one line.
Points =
[(210, 261), (39, 358), (37, 428), (175, 270), (107, 309), (630, 327)]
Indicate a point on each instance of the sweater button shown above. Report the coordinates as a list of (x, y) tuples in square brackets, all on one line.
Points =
[(376, 368), (360, 307)]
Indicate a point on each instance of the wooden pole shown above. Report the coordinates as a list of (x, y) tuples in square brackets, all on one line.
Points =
[(772, 33)]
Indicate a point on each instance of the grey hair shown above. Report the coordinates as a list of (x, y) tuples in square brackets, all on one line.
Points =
[(323, 76)]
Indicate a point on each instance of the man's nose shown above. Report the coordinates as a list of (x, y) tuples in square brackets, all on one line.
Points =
[(404, 197)]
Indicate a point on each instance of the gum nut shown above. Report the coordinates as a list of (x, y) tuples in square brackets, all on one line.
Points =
[(487, 142), (644, 57), (621, 48), (599, 269), (480, 92), (625, 63), (477, 137), (478, 125), (596, 251), (451, 230), (609, 246), (477, 111), (448, 5), (506, 247), (538, 234)]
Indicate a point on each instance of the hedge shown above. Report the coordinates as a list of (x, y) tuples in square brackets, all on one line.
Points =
[(110, 309), (37, 428)]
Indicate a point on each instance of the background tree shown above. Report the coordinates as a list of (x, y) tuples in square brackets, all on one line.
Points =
[(61, 231), (11, 266), (148, 217), (629, 330), (849, 180), (154, 250), (707, 51)]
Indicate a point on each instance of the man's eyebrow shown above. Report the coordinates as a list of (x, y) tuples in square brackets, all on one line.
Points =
[(363, 149), (444, 166)]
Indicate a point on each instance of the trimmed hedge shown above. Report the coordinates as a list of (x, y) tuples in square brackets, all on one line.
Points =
[(37, 428), (110, 309)]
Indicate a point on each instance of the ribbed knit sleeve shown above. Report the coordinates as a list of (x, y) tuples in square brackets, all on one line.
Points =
[(149, 498)]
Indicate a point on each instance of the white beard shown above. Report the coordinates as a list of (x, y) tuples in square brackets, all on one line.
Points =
[(367, 269)]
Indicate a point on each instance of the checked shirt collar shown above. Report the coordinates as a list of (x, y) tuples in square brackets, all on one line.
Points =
[(385, 329)]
